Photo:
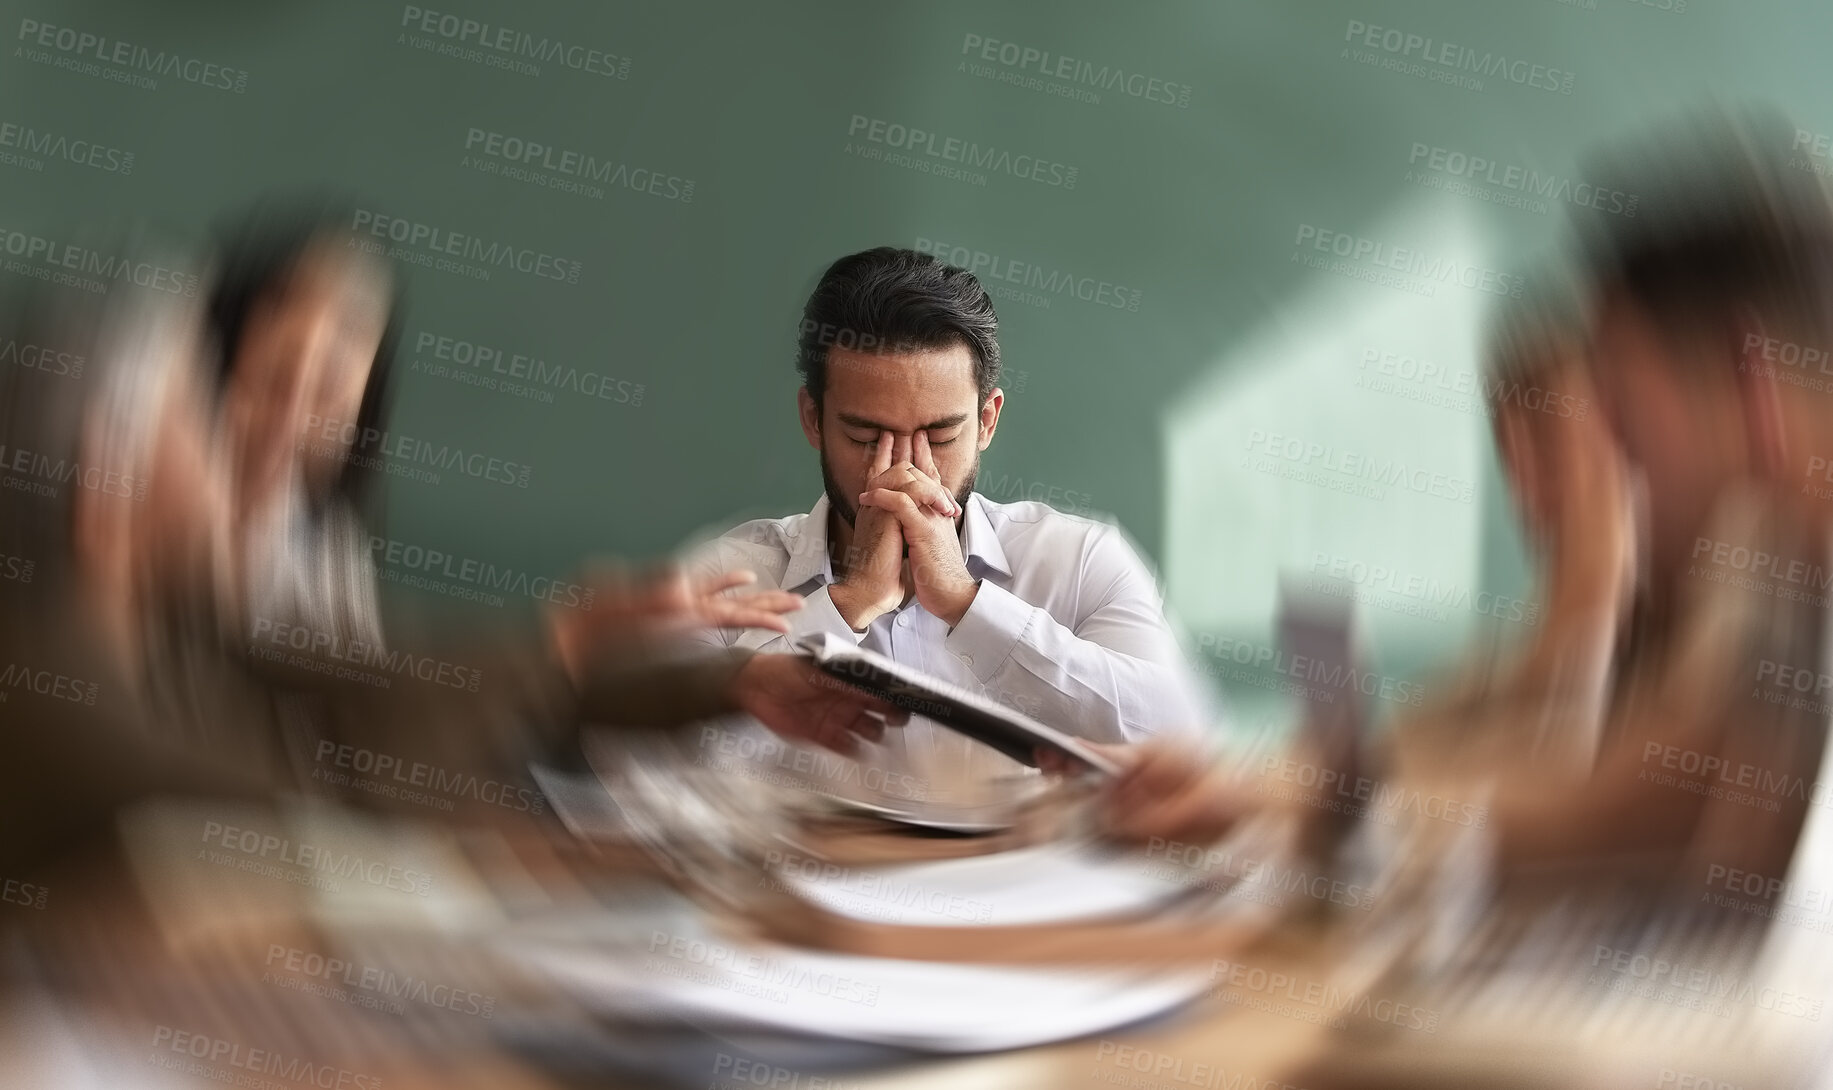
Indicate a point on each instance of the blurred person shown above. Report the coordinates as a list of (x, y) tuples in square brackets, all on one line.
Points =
[(1543, 704), (187, 518), (1046, 612), (1733, 252)]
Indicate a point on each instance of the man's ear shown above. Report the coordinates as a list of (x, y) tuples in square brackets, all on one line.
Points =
[(989, 416), (811, 416), (1765, 426)]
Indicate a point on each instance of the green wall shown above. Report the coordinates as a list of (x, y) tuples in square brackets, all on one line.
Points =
[(751, 126)]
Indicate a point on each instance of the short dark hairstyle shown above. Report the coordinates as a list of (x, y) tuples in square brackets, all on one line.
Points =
[(891, 300), (1726, 216)]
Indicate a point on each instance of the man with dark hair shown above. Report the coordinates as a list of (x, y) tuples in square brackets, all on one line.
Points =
[(1048, 613)]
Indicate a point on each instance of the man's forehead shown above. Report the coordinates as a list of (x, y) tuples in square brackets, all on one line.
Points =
[(942, 373)]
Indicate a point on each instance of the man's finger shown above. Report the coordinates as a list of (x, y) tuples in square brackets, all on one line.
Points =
[(903, 507), (919, 448), (881, 458), (930, 494)]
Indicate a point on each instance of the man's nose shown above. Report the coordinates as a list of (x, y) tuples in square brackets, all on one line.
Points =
[(902, 447)]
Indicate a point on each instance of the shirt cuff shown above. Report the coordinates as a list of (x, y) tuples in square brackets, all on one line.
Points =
[(992, 626), (819, 614)]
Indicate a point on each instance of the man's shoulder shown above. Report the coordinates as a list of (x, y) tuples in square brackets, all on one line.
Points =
[(1031, 529), (1035, 517), (762, 545), (767, 531)]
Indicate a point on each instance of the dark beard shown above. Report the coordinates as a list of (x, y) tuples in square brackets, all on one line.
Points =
[(848, 508)]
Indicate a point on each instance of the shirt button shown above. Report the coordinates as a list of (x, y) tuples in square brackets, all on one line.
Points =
[(966, 659), (904, 619)]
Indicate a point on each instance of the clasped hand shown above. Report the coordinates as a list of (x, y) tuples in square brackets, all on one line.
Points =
[(905, 540)]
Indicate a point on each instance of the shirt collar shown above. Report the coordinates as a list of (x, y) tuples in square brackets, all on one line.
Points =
[(809, 559), (978, 540)]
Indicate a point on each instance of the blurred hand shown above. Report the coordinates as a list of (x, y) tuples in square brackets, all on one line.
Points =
[(792, 697), (625, 609), (1171, 790), (912, 492)]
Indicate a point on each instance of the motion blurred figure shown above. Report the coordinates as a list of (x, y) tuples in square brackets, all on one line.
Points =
[(184, 497)]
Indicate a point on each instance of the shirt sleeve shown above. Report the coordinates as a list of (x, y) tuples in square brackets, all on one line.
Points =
[(1118, 675)]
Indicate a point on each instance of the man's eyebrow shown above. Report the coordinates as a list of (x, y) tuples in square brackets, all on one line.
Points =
[(852, 421)]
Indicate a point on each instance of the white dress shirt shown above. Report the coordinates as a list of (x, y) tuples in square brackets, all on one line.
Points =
[(1067, 627)]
